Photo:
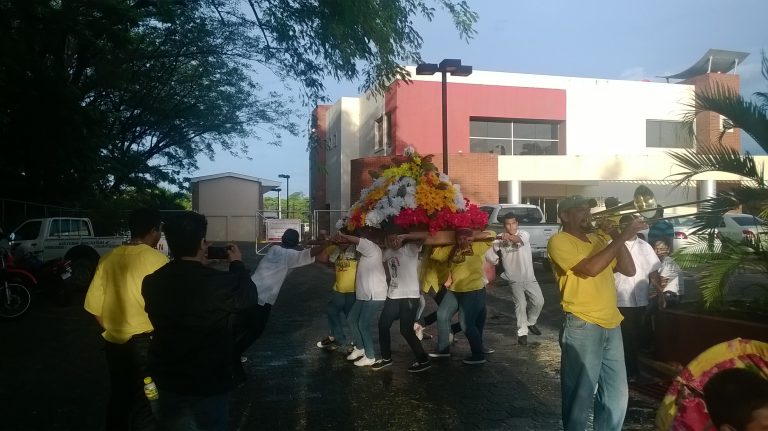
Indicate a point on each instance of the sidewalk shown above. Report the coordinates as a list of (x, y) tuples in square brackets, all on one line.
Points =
[(54, 373)]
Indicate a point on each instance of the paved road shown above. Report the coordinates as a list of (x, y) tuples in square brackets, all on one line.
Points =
[(54, 374)]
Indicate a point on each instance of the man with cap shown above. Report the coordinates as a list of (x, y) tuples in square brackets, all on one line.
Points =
[(269, 277), (592, 370)]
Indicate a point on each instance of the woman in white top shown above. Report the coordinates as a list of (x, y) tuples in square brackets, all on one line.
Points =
[(370, 293)]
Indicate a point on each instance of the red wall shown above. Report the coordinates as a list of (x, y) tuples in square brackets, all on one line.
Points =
[(416, 110)]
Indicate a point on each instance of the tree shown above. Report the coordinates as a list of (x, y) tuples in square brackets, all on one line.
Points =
[(103, 97), (751, 116), (299, 206)]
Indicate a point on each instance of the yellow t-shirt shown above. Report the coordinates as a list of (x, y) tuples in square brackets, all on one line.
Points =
[(467, 275), (433, 273), (115, 291), (590, 298), (345, 263)]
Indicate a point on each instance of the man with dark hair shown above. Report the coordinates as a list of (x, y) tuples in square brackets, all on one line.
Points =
[(517, 260), (737, 400), (192, 308), (269, 277), (592, 371), (114, 298)]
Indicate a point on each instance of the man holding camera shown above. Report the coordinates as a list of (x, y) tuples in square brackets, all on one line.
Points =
[(192, 308)]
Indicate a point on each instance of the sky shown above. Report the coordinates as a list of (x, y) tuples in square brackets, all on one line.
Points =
[(606, 39)]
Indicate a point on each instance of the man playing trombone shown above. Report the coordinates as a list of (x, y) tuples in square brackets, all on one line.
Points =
[(592, 352)]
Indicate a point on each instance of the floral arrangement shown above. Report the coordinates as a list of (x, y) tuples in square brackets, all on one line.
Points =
[(411, 193)]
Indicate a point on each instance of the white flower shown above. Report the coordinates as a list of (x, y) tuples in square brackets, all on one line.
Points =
[(409, 201), (458, 197), (444, 178), (340, 223), (409, 151)]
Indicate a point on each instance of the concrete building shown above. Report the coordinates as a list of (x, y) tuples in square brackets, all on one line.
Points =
[(233, 205), (522, 138)]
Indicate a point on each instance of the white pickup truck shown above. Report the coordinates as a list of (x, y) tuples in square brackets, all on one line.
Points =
[(69, 237), (530, 219)]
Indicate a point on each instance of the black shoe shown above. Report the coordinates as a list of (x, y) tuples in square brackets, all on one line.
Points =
[(474, 360), (381, 363), (418, 367), (534, 330), (522, 340)]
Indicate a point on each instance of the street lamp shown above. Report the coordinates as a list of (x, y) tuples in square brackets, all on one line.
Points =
[(455, 68), (278, 190), (287, 193)]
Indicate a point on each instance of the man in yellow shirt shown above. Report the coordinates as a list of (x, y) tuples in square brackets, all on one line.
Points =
[(467, 264), (592, 353), (114, 298)]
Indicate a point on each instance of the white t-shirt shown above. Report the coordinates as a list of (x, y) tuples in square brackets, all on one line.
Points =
[(371, 281), (517, 260), (633, 291), (671, 271), (274, 267), (403, 267)]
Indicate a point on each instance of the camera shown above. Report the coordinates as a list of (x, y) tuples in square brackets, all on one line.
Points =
[(218, 252)]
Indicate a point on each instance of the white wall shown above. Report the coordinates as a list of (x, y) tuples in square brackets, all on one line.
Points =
[(343, 147)]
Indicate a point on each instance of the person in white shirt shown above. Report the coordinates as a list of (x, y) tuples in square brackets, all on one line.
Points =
[(633, 294), (517, 259), (401, 261), (669, 273), (370, 293), (268, 278)]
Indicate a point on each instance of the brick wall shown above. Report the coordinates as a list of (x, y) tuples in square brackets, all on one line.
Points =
[(476, 173), (708, 123)]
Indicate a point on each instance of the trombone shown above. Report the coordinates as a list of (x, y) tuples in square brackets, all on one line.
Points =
[(644, 202)]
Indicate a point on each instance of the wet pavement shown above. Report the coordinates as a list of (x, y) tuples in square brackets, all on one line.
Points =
[(54, 373)]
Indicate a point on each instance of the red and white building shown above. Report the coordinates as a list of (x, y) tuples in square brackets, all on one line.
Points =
[(522, 138)]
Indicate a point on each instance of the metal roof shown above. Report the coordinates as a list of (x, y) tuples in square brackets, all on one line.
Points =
[(265, 183), (714, 61)]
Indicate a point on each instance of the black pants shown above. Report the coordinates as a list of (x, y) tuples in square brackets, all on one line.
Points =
[(404, 309), (632, 336), (432, 317), (128, 407), (247, 327)]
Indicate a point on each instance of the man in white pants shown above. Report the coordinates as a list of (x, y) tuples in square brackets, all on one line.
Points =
[(517, 260)]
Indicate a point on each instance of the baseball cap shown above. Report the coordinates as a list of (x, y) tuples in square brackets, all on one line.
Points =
[(573, 202)]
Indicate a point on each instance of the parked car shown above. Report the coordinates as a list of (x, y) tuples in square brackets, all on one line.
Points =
[(684, 227), (744, 227)]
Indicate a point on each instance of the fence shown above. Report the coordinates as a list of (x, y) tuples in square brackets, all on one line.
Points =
[(325, 220)]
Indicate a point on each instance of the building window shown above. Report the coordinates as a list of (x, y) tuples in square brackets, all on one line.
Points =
[(379, 135), (505, 137), (666, 134), (388, 138)]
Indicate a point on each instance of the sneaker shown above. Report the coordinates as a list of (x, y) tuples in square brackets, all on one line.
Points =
[(440, 354), (472, 360), (326, 342), (418, 367), (356, 354), (243, 359), (534, 330), (381, 363), (451, 338), (419, 331), (487, 350), (522, 340), (365, 361)]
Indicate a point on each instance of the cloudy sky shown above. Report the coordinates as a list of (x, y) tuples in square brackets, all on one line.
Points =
[(585, 38)]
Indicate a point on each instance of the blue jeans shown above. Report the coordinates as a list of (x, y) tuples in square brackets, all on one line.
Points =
[(192, 412), (360, 320), (592, 375), (445, 311), (472, 318), (339, 303)]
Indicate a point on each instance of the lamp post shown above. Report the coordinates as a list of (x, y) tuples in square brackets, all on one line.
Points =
[(454, 67), (287, 193), (278, 190)]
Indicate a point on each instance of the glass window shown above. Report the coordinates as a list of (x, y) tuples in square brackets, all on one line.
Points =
[(27, 231), (747, 221), (507, 137), (666, 134), (379, 134), (524, 215)]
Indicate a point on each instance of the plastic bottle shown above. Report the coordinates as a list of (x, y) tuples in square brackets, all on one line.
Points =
[(150, 390)]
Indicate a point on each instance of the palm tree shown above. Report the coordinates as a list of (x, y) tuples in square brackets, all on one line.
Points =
[(751, 116)]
